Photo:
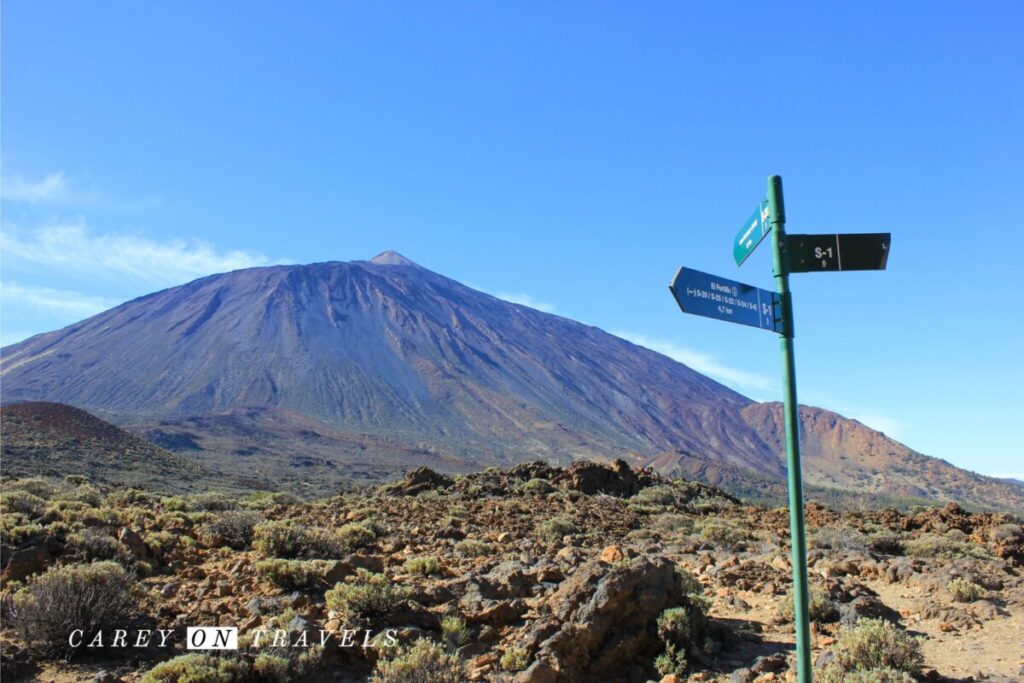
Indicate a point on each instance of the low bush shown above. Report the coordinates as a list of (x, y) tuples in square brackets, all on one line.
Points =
[(662, 494), (365, 594), (422, 565), (22, 502), (963, 590), (356, 536), (198, 667), (680, 628), (938, 545), (422, 662), (514, 659), (538, 486), (279, 539), (835, 674), (91, 545), (37, 486), (472, 548), (725, 533), (874, 644), (839, 538), (293, 574), (234, 528), (211, 501), (91, 597), (455, 632), (554, 529)]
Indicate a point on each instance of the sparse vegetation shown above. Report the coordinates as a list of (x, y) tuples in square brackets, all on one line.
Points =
[(91, 597), (365, 594), (554, 529), (472, 548), (422, 565), (938, 545), (874, 645), (514, 659), (234, 528), (963, 590), (455, 631), (422, 662)]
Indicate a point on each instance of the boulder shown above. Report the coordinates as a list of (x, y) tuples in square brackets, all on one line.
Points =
[(604, 622), (419, 480)]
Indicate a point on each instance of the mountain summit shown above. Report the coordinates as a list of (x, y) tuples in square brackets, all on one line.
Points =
[(318, 372), (391, 258)]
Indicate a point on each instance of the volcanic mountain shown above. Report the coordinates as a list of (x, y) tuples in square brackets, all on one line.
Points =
[(41, 438), (325, 372)]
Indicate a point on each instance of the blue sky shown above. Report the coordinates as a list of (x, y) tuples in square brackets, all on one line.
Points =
[(572, 155)]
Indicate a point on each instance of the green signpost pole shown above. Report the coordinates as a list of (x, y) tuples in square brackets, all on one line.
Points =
[(780, 262)]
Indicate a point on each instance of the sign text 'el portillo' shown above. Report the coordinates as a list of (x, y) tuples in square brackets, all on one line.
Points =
[(717, 297)]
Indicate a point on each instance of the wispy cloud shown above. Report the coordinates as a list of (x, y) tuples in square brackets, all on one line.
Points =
[(52, 189), (74, 248), (526, 300), (61, 302), (702, 362)]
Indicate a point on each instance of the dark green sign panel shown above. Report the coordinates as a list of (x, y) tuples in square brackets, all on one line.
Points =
[(858, 251)]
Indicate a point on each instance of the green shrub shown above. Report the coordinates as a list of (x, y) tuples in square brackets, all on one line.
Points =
[(91, 545), (356, 536), (725, 533), (198, 667), (91, 597), (963, 590), (279, 539), (37, 486), (834, 673), (84, 493), (365, 594), (472, 548), (422, 565), (839, 538), (679, 628), (514, 659), (877, 644), (937, 545), (539, 486), (672, 522), (293, 574), (554, 529), (264, 500), (422, 662), (211, 501), (234, 527), (15, 529), (455, 632), (23, 502), (662, 494)]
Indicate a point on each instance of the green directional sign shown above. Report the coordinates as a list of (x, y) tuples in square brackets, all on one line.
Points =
[(711, 296), (751, 234), (856, 251)]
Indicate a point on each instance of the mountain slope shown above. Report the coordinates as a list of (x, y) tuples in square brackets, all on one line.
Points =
[(390, 365), (52, 439)]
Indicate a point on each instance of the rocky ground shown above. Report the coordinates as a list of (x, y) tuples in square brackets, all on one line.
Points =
[(535, 574)]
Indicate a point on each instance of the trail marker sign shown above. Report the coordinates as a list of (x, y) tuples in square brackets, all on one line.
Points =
[(751, 234), (715, 297), (718, 297), (817, 253)]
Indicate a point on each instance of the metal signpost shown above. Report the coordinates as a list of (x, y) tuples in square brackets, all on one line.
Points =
[(715, 297)]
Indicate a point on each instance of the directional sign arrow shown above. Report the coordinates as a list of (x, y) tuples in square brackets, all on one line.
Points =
[(751, 234), (859, 251), (717, 297)]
